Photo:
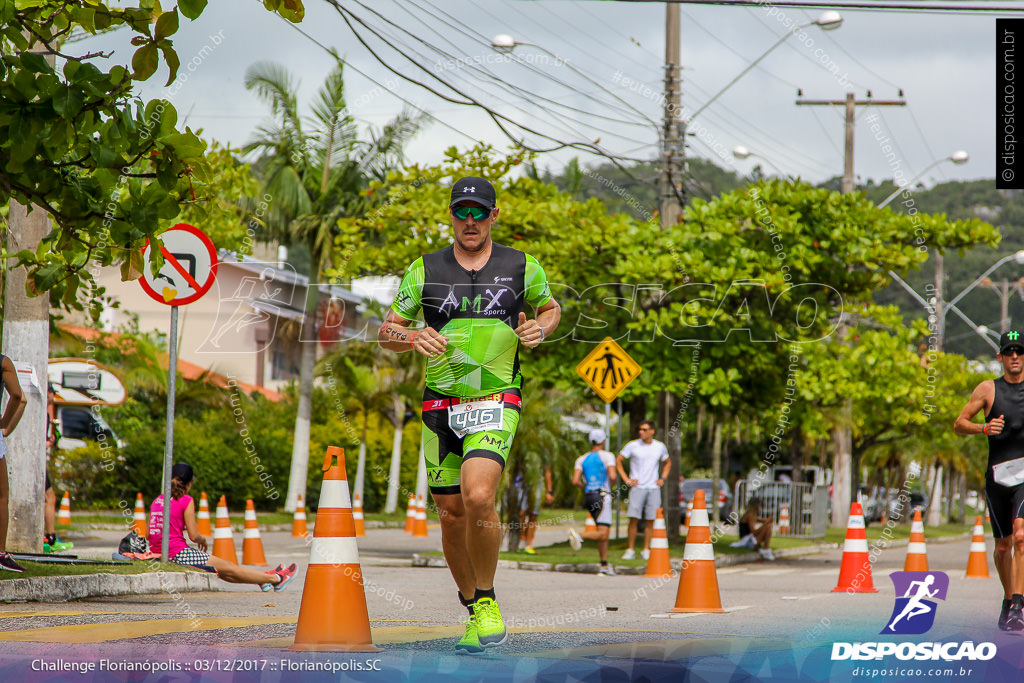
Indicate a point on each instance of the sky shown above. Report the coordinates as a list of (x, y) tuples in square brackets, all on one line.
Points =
[(606, 59)]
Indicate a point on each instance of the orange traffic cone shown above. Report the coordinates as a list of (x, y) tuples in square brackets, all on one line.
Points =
[(917, 558), (252, 544), (333, 615), (357, 516), (203, 518), (784, 520), (410, 514), (689, 511), (139, 523), (223, 541), (977, 561), (698, 581), (419, 528), (855, 570), (987, 520), (64, 514), (299, 529), (590, 526), (658, 564)]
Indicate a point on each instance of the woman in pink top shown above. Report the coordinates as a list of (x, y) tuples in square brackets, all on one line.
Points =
[(183, 518)]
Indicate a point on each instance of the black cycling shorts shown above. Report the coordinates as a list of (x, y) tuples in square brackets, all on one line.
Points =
[(1005, 504)]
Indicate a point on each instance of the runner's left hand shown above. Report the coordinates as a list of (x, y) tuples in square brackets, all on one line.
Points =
[(529, 331)]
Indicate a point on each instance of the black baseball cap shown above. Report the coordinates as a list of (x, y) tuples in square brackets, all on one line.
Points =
[(182, 471), (1009, 339), (473, 189)]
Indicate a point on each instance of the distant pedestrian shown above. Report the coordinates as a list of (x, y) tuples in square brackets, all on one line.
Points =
[(12, 415), (183, 519), (51, 543), (595, 472), (529, 509), (759, 528), (645, 455)]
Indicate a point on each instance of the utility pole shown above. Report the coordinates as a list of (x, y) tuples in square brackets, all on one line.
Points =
[(844, 484), (673, 127)]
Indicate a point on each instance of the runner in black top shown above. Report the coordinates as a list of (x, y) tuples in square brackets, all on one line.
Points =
[(473, 297), (1002, 401)]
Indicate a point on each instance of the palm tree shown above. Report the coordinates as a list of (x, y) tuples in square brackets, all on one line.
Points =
[(315, 170)]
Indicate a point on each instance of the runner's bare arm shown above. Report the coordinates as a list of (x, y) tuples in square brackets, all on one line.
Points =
[(395, 335), (16, 397), (980, 401), (193, 529)]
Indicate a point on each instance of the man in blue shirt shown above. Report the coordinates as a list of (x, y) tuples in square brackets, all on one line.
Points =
[(595, 472)]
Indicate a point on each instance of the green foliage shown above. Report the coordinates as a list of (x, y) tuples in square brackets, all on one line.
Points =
[(111, 170)]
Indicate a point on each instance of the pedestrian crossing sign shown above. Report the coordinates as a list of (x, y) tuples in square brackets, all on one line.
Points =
[(608, 370)]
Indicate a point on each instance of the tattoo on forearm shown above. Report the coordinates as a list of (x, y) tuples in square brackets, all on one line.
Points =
[(396, 334)]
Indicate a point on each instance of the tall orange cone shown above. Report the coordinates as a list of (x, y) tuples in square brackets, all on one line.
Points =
[(855, 570), (977, 561), (333, 615), (784, 520), (410, 514), (252, 544), (698, 581), (357, 516), (299, 529), (658, 563), (223, 541), (917, 558), (419, 528), (203, 518), (139, 522), (64, 514), (591, 525)]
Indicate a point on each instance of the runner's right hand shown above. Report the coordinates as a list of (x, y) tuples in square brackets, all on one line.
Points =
[(995, 426)]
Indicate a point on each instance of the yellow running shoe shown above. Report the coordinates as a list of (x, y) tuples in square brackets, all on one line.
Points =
[(490, 628), (470, 643)]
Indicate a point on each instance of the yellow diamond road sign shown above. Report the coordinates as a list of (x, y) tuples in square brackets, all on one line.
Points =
[(608, 370)]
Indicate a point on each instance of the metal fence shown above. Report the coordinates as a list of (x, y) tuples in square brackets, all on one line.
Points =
[(807, 504)]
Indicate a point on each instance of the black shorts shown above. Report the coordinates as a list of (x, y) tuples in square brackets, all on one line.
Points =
[(595, 502), (1005, 504)]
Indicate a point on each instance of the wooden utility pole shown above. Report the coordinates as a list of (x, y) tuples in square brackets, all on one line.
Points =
[(844, 483)]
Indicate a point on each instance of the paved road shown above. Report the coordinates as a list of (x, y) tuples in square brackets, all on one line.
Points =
[(554, 616)]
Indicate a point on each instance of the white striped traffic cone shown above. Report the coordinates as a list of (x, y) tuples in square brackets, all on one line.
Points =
[(252, 544), (299, 529), (784, 520), (977, 560), (410, 514), (333, 615), (203, 518), (139, 520), (917, 557), (357, 516), (419, 528), (855, 570), (698, 580), (658, 564), (223, 541), (64, 514)]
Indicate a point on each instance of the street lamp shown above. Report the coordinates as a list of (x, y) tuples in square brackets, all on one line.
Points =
[(1017, 256), (828, 21), (958, 157), (741, 152)]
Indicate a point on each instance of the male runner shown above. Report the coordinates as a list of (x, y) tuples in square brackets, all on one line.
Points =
[(472, 295), (595, 472), (1002, 401)]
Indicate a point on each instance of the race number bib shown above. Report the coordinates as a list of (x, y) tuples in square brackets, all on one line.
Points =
[(1009, 473), (477, 416)]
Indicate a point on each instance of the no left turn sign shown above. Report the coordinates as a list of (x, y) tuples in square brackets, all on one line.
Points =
[(190, 266)]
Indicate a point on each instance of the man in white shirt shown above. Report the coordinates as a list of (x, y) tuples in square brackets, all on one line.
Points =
[(595, 472), (646, 476)]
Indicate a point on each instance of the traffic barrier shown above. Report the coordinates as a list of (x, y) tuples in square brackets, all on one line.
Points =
[(855, 570), (419, 528), (333, 615), (223, 541), (203, 518), (917, 557), (410, 514), (784, 520), (299, 529), (977, 560), (698, 580), (139, 519), (658, 564), (64, 514), (357, 516), (252, 544)]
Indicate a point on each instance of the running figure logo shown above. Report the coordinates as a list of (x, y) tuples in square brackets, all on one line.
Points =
[(914, 613)]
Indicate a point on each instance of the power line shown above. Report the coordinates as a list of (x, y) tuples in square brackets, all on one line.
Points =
[(915, 8)]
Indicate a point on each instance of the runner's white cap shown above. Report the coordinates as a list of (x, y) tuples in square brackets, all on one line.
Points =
[(597, 436)]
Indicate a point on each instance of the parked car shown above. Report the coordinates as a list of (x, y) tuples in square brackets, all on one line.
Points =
[(78, 424), (917, 500), (691, 486)]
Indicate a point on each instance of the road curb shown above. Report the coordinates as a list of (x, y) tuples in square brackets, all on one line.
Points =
[(77, 587)]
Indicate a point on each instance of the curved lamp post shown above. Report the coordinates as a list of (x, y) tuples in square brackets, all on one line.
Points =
[(741, 152), (958, 157)]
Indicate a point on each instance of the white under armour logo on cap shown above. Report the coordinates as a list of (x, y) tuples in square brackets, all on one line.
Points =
[(469, 189)]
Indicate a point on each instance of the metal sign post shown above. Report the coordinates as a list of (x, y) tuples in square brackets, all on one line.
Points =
[(189, 270)]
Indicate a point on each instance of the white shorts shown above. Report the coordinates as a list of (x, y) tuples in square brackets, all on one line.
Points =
[(644, 503)]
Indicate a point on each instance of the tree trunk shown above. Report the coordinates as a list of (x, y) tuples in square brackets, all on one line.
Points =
[(933, 517), (361, 464), (637, 413), (26, 339), (963, 498), (841, 477), (796, 455), (300, 443), (396, 455), (716, 470)]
